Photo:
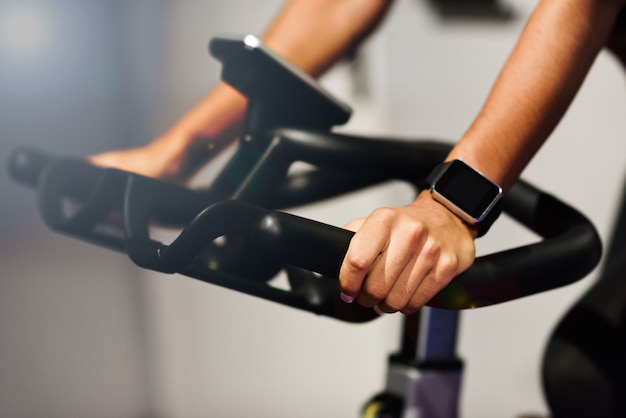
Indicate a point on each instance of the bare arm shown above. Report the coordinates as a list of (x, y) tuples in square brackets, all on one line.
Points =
[(401, 257), (536, 86), (312, 34)]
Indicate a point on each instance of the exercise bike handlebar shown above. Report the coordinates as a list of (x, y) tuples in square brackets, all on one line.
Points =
[(570, 248), (288, 119)]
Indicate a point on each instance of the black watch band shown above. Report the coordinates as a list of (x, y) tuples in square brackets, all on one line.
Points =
[(467, 193), (491, 217)]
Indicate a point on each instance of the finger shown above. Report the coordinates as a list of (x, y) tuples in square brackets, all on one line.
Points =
[(404, 288), (365, 247), (406, 252), (354, 225), (376, 283), (393, 265), (439, 276)]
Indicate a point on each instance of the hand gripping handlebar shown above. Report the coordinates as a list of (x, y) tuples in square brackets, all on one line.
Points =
[(570, 247)]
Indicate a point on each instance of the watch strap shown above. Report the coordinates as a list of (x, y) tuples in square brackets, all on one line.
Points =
[(490, 218), (435, 174)]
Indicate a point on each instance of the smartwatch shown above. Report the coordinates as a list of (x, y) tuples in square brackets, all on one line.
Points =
[(467, 193)]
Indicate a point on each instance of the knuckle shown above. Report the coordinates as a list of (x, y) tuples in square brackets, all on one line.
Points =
[(411, 308), (395, 304), (415, 303), (420, 300), (375, 290), (356, 262), (431, 250), (399, 297), (448, 268), (349, 286), (437, 282), (384, 214), (415, 231)]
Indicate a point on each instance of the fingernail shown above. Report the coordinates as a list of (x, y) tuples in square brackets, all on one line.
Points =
[(346, 298), (379, 311)]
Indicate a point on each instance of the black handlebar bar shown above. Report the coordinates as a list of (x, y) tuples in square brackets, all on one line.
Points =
[(115, 209), (570, 248)]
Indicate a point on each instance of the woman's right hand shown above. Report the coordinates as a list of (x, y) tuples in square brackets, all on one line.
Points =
[(164, 159)]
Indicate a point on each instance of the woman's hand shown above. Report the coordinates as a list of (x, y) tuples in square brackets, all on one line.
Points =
[(401, 257), (163, 159)]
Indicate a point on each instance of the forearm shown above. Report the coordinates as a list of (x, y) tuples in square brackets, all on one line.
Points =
[(311, 34), (537, 84), (314, 34)]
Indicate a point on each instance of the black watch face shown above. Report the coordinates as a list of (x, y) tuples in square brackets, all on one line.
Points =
[(467, 189)]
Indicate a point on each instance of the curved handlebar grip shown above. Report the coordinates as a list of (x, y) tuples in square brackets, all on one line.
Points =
[(25, 165), (78, 198), (571, 247), (74, 196), (570, 250), (146, 200)]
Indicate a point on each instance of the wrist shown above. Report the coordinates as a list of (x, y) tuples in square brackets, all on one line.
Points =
[(467, 193), (179, 155), (425, 199)]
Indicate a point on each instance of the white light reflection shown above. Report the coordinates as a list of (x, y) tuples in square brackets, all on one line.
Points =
[(25, 31)]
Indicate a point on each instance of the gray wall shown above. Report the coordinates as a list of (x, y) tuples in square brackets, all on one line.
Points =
[(76, 77)]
